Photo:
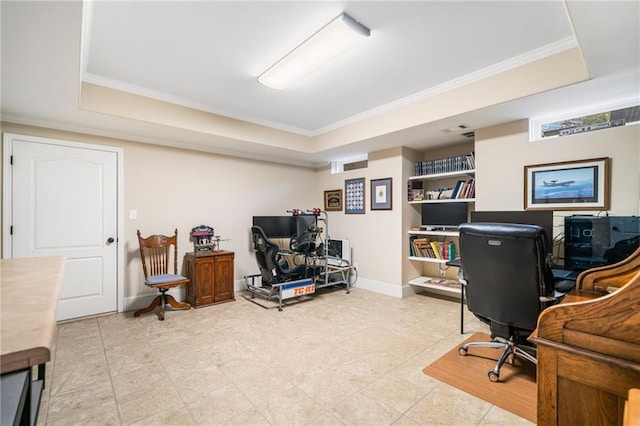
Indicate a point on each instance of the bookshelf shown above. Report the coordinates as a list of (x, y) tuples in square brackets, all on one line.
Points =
[(445, 180), (442, 285)]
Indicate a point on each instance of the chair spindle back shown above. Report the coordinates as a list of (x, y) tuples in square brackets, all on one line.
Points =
[(155, 253)]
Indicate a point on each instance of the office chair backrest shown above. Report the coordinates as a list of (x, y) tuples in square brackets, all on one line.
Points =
[(507, 271), (155, 252)]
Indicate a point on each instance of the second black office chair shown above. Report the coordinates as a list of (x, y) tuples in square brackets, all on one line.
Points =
[(507, 268)]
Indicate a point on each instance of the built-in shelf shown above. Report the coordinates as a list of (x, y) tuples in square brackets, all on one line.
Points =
[(444, 200), (447, 175), (440, 284), (428, 259), (439, 233)]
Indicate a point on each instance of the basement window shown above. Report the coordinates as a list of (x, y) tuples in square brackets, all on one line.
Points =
[(621, 114), (353, 163)]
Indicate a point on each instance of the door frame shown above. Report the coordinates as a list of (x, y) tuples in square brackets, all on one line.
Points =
[(7, 198)]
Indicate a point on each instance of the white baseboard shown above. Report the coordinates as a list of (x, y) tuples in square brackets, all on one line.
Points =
[(387, 289)]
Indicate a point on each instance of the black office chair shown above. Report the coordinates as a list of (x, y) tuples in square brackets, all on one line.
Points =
[(507, 269)]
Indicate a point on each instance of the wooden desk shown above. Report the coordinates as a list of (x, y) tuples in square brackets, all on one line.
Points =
[(29, 293), (588, 357)]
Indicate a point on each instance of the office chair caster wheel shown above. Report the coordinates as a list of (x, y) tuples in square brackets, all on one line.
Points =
[(493, 376), (462, 351)]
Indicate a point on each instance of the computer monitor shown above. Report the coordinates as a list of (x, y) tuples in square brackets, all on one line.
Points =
[(543, 218), (446, 214), (276, 226), (339, 248)]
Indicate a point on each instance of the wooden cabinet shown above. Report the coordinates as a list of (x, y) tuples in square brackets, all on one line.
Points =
[(211, 277)]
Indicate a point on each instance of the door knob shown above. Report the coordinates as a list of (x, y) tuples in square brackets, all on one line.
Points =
[(110, 240)]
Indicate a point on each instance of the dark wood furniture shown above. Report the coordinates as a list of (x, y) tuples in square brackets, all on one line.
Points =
[(609, 276), (156, 254), (211, 277), (29, 293), (589, 354)]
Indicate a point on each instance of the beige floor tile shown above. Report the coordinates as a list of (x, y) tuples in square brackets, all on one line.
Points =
[(69, 377), (359, 409), (90, 405), (148, 401), (252, 417), (175, 416), (446, 405), (396, 392), (291, 407), (219, 406)]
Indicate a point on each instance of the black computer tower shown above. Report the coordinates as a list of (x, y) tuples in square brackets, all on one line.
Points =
[(591, 241)]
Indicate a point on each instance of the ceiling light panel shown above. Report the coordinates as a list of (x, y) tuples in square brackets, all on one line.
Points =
[(335, 38)]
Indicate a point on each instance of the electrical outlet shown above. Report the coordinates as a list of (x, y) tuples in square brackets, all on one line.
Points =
[(355, 266), (441, 272)]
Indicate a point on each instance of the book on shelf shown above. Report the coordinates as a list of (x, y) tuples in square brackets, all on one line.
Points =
[(456, 163), (425, 247), (436, 250), (464, 189)]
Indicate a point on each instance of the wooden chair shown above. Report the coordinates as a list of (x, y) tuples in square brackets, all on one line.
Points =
[(155, 252), (615, 275)]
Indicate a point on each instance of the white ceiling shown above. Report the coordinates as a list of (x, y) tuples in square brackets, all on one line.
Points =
[(206, 55)]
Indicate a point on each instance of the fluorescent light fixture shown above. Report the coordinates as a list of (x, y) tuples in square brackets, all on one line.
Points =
[(335, 38)]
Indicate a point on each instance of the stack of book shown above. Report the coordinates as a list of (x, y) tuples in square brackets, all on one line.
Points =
[(424, 247), (457, 163)]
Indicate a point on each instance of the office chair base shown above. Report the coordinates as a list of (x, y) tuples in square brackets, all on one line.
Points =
[(162, 300), (510, 350)]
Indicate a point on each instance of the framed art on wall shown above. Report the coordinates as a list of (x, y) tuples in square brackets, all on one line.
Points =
[(333, 200), (569, 185), (354, 196), (381, 194)]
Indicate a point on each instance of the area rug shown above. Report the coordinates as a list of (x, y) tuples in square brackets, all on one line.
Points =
[(516, 391)]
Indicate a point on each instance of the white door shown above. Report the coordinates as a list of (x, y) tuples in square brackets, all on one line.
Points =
[(64, 202)]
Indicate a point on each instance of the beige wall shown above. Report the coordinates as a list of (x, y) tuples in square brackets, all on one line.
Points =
[(503, 151), (377, 236), (174, 188)]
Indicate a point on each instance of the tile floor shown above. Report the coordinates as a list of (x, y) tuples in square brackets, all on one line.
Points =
[(337, 359)]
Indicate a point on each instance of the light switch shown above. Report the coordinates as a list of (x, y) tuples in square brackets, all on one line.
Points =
[(133, 214)]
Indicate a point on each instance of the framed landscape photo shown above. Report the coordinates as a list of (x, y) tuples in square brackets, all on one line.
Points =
[(381, 194), (354, 196), (569, 185), (333, 200)]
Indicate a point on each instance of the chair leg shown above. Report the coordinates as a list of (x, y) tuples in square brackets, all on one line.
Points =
[(154, 304), (163, 302), (509, 348), (177, 305)]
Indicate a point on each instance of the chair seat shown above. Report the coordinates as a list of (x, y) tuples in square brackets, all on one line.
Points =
[(155, 280)]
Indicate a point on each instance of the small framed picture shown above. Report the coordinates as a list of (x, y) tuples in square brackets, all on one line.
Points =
[(570, 185), (354, 196), (381, 194), (333, 200)]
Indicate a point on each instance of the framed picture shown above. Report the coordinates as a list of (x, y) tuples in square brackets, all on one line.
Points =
[(354, 196), (570, 185), (333, 200), (381, 194)]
